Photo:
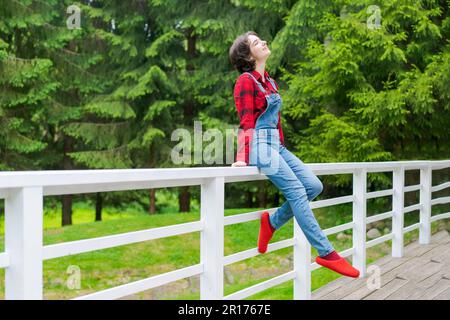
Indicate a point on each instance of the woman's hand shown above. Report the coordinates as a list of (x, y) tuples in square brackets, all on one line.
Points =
[(239, 164)]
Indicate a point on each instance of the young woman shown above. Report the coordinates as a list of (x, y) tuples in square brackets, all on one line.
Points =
[(261, 143)]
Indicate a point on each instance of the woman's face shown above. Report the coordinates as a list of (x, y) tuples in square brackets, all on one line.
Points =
[(258, 48)]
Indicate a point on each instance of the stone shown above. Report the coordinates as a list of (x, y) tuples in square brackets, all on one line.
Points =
[(373, 233)]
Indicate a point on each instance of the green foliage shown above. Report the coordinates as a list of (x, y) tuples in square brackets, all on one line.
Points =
[(109, 95), (361, 94)]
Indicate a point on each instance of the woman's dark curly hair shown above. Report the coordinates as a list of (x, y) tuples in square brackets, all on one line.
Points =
[(240, 53)]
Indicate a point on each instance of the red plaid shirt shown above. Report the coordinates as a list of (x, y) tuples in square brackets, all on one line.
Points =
[(250, 103)]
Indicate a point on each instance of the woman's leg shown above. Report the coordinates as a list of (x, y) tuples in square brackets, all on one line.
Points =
[(283, 177), (309, 180)]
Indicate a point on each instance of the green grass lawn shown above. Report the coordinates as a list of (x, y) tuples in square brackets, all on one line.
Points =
[(107, 268)]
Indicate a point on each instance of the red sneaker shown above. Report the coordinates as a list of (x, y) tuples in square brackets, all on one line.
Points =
[(265, 232), (340, 266)]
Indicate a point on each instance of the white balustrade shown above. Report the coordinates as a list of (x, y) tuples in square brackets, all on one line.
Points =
[(24, 254)]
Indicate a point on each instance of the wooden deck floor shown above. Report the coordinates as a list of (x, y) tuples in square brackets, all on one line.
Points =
[(423, 273)]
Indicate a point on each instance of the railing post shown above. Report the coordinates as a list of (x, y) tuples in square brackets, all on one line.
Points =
[(359, 219), (425, 201), (302, 265), (398, 185), (23, 243), (212, 238)]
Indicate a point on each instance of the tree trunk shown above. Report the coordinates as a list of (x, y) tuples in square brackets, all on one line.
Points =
[(152, 198), (67, 199), (436, 143), (66, 209), (98, 207), (184, 199), (249, 199), (152, 206)]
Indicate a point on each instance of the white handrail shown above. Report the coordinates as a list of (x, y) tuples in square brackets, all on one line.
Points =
[(24, 254)]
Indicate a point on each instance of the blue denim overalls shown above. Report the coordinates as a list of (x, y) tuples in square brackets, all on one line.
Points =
[(266, 132), (288, 173)]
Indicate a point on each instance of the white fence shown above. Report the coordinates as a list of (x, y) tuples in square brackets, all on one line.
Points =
[(24, 250)]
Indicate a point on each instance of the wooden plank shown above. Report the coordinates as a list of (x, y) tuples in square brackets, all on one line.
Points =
[(328, 288), (440, 236), (431, 260), (445, 295), (431, 280), (344, 281), (418, 291), (382, 293), (355, 284), (392, 264), (338, 286), (414, 289), (436, 239), (421, 249), (433, 272), (435, 290), (440, 254), (421, 273), (386, 278)]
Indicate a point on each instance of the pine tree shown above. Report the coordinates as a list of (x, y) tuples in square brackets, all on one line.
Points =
[(126, 123), (370, 94), (25, 86)]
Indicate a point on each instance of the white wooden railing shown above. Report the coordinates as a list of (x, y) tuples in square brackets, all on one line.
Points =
[(24, 250)]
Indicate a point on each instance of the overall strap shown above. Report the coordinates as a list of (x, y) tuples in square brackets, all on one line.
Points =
[(273, 84), (259, 84)]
